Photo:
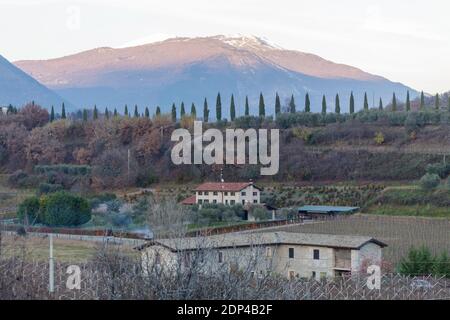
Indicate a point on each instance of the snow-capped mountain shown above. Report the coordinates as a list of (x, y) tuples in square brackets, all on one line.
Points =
[(190, 69)]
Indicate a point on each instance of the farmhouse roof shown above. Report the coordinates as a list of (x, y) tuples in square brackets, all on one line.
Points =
[(267, 238), (224, 186), (189, 201), (327, 209)]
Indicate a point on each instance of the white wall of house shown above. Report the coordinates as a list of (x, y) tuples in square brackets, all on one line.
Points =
[(247, 195), (4, 110)]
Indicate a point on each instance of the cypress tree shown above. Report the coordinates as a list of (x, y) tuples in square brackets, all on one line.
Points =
[(366, 102), (115, 113), (380, 106), (292, 105), (218, 107), (63, 111), (437, 101), (394, 102), (106, 113), (307, 103), (147, 112), (232, 109), (52, 115), (182, 110), (422, 101), (174, 113), (352, 103), (247, 108), (262, 107), (126, 111), (10, 109), (448, 102), (324, 105), (193, 111), (337, 108), (205, 111), (95, 112), (136, 112), (85, 115), (277, 104), (408, 102)]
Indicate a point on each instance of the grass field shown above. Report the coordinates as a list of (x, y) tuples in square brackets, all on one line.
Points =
[(399, 233), (11, 198), (67, 251)]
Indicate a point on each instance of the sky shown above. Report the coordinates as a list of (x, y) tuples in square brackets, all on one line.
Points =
[(403, 40)]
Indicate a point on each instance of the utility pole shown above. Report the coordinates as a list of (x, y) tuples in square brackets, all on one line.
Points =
[(51, 267)]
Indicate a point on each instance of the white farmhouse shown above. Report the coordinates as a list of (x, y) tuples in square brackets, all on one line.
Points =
[(4, 110), (293, 255), (228, 193)]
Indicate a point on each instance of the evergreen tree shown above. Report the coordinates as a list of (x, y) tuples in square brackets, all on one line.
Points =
[(292, 105), (205, 111), (277, 105), (232, 109), (63, 111), (394, 102), (115, 113), (10, 109), (324, 105), (419, 262), (218, 108), (448, 102), (193, 111), (366, 102), (95, 112), (307, 103), (136, 112), (126, 111), (422, 101), (337, 108), (174, 113), (380, 105), (147, 112), (52, 115), (247, 108), (352, 103), (106, 113), (85, 115), (182, 110), (437, 101), (408, 102), (262, 107)]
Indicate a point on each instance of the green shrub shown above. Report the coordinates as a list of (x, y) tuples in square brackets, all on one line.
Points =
[(441, 169), (64, 209), (29, 210), (429, 181)]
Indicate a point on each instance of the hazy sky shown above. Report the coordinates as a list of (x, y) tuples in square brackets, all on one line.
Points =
[(404, 40)]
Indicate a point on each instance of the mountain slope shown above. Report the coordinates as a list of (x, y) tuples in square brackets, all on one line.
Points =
[(18, 88), (189, 69)]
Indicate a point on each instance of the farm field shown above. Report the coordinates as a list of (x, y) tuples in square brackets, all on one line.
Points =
[(11, 198), (399, 233), (64, 251)]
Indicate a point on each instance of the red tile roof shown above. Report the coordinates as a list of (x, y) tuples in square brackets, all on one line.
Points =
[(189, 201), (223, 186)]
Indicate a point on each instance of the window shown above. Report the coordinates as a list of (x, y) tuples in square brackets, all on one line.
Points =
[(200, 201), (255, 201), (243, 193), (206, 201), (232, 202), (233, 193), (268, 251), (291, 253), (200, 193), (226, 193), (220, 257), (226, 201), (215, 193), (313, 275), (243, 201), (316, 254), (255, 193), (214, 201)]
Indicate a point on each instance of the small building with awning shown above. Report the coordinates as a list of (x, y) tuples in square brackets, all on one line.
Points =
[(324, 212)]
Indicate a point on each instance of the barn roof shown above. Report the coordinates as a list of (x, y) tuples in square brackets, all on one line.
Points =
[(224, 186)]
